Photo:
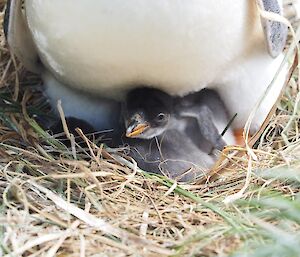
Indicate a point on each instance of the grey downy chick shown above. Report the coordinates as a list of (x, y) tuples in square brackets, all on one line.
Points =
[(206, 110), (200, 116), (174, 136)]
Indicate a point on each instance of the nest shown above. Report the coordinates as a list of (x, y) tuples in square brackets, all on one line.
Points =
[(88, 200)]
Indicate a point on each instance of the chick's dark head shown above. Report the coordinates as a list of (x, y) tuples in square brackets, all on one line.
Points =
[(147, 112)]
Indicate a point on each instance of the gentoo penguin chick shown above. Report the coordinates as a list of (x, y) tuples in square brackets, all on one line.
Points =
[(174, 136), (172, 154), (210, 113), (200, 116)]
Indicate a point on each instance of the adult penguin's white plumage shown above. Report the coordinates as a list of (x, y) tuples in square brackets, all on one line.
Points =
[(105, 47)]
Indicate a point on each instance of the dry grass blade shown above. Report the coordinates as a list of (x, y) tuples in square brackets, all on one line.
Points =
[(96, 222)]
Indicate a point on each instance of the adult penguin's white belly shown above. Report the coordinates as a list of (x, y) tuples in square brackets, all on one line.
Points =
[(108, 46), (178, 45)]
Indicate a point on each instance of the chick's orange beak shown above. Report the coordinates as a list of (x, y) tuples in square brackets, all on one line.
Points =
[(137, 130)]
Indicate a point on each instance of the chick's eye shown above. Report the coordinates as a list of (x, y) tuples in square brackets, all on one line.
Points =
[(161, 117)]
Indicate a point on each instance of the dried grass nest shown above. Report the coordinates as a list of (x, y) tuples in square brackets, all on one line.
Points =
[(87, 200)]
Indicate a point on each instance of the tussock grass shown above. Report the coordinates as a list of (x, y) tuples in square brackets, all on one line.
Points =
[(90, 200)]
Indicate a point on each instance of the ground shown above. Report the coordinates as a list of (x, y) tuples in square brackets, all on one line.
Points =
[(89, 200)]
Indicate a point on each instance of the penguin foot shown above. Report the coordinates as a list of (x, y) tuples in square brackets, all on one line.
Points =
[(238, 135)]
